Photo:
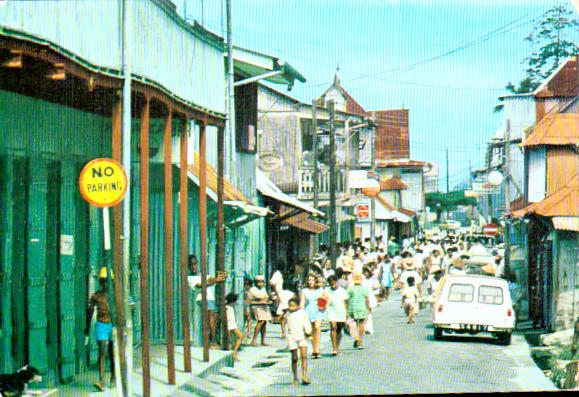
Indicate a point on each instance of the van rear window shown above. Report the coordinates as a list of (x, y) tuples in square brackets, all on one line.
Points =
[(461, 293), (490, 295)]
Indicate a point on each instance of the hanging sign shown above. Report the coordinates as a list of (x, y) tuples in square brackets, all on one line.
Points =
[(363, 211), (103, 182)]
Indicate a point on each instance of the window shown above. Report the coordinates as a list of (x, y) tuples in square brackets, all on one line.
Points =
[(246, 118), (490, 295), (461, 293)]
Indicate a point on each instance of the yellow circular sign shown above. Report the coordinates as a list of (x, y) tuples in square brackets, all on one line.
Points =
[(103, 182)]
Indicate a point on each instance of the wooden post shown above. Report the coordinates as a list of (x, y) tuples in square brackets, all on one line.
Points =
[(183, 249), (117, 243), (169, 249), (221, 236), (144, 221), (315, 238), (203, 236)]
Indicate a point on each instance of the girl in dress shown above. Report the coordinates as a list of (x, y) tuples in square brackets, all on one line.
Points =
[(358, 306), (309, 302), (258, 298)]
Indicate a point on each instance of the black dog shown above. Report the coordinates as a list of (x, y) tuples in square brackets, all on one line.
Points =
[(13, 385)]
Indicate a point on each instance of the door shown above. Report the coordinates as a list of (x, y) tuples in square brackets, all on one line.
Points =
[(545, 267)]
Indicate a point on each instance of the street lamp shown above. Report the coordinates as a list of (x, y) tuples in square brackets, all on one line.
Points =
[(495, 178)]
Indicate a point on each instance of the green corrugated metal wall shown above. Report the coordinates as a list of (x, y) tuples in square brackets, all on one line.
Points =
[(43, 147), (42, 322)]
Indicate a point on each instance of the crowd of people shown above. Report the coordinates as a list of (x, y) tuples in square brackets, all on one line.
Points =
[(344, 296)]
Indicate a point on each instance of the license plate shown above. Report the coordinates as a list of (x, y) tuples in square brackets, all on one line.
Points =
[(473, 327)]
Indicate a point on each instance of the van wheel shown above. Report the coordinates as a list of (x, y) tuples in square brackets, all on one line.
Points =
[(437, 333), (504, 338)]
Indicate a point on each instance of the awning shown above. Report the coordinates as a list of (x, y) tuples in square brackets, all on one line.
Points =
[(303, 222), (233, 198), (566, 223), (249, 63), (407, 212), (386, 212), (555, 129), (562, 203), (266, 187), (392, 184)]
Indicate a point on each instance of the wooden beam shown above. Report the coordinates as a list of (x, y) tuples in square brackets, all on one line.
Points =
[(117, 243), (169, 248), (203, 236), (221, 234), (144, 237), (183, 248)]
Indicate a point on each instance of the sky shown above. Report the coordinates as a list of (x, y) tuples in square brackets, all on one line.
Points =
[(446, 61)]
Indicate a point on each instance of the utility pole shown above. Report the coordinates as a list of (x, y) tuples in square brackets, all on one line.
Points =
[(447, 185), (332, 183), (373, 162), (315, 165), (126, 219), (507, 158), (230, 138)]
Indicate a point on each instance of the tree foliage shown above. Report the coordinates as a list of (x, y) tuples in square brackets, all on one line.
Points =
[(550, 40), (448, 201)]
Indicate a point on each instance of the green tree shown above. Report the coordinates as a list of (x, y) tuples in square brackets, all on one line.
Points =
[(440, 202), (549, 37)]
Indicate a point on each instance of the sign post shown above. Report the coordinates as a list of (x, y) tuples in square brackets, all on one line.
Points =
[(103, 184)]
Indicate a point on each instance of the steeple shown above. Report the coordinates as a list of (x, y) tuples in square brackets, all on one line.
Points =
[(337, 76)]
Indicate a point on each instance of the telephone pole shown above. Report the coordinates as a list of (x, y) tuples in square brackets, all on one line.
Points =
[(507, 158), (332, 183), (373, 163), (447, 184), (315, 165)]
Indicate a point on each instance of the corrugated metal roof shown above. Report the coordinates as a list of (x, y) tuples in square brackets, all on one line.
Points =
[(166, 51), (392, 134), (555, 129), (566, 223), (564, 81), (561, 203), (269, 189), (393, 184), (231, 192), (302, 221)]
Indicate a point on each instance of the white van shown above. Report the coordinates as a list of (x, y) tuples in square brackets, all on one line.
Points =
[(472, 304)]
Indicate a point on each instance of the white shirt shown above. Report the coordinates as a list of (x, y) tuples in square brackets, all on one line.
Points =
[(369, 284), (230, 314), (336, 308), (358, 266), (276, 281), (327, 273), (284, 297), (193, 281), (298, 325)]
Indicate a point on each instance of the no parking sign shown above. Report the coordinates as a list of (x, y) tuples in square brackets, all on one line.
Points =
[(103, 182)]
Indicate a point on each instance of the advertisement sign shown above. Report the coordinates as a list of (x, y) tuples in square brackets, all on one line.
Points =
[(363, 211)]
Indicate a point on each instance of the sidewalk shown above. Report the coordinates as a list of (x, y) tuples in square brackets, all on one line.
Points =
[(83, 385)]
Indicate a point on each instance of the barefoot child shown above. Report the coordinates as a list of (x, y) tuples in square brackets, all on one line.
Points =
[(232, 327), (298, 329)]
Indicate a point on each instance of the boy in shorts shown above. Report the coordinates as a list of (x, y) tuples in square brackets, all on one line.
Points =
[(298, 329)]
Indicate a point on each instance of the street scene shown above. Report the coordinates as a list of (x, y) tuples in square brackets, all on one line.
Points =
[(288, 197)]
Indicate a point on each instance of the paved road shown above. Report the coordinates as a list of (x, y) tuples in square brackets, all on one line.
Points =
[(403, 358)]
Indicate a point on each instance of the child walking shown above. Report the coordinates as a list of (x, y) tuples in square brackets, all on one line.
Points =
[(299, 328), (410, 297), (358, 306), (232, 328)]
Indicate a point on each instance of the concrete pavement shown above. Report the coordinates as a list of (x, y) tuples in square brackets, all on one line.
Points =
[(404, 358)]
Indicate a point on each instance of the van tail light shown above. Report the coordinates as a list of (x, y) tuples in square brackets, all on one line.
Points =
[(509, 313), (439, 308)]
